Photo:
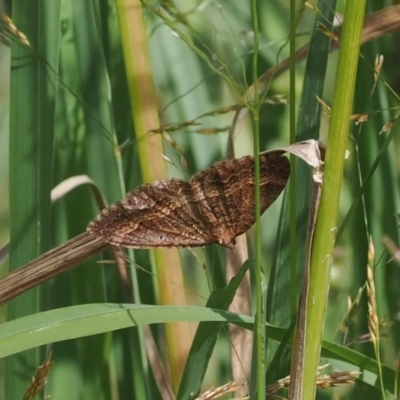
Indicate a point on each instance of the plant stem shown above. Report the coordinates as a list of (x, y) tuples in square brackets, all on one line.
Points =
[(333, 173), (49, 265), (292, 182), (259, 347)]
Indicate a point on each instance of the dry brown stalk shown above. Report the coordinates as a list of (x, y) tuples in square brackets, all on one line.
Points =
[(241, 339), (216, 393), (39, 380), (324, 381), (50, 264), (11, 28), (392, 248), (373, 320), (336, 378)]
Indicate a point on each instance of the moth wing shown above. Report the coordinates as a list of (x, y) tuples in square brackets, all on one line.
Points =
[(152, 216)]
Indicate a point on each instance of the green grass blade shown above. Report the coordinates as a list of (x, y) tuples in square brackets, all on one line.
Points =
[(85, 144), (91, 319), (32, 109)]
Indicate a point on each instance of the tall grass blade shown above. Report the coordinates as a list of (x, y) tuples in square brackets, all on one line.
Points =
[(32, 109)]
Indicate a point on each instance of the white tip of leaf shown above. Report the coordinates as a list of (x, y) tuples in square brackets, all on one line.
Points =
[(68, 185), (309, 151)]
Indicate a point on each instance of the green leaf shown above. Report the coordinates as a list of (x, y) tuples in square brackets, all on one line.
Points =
[(91, 319)]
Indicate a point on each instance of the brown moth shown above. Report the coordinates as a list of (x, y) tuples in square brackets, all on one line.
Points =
[(214, 206)]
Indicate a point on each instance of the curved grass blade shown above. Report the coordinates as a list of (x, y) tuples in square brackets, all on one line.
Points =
[(91, 319)]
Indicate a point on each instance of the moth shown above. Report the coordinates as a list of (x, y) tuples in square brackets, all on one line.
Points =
[(214, 206)]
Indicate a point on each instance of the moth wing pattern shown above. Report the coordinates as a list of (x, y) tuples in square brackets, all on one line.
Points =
[(215, 206), (152, 216)]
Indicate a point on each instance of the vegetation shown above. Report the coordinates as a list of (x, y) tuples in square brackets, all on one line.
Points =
[(126, 93)]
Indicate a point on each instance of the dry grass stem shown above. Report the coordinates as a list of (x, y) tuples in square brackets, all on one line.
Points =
[(387, 126), (333, 379), (352, 309), (311, 6), (392, 248), (373, 321), (360, 118), (331, 34), (325, 107), (324, 381), (39, 380), (49, 265), (11, 28), (241, 339), (377, 68), (160, 374), (216, 393)]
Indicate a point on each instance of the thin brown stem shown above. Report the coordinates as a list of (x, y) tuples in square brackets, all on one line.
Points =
[(50, 264)]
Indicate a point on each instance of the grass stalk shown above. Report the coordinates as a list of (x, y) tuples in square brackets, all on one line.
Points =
[(292, 182), (150, 147), (326, 227), (259, 353)]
